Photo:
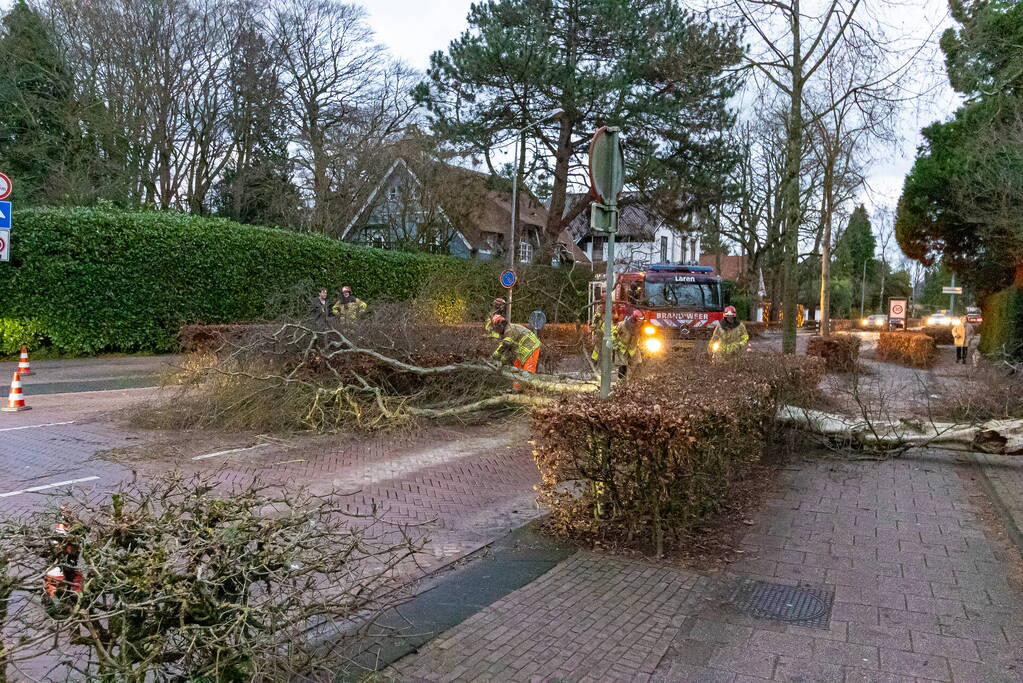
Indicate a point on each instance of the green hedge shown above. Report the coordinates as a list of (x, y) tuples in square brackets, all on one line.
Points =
[(1002, 329), (99, 279)]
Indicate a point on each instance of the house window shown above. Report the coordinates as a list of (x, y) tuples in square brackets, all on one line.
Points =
[(664, 249), (525, 252), (692, 252)]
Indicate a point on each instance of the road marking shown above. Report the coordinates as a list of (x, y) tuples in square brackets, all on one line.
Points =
[(47, 486), (48, 424), (229, 452)]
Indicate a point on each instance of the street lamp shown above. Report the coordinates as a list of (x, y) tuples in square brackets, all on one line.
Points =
[(513, 247)]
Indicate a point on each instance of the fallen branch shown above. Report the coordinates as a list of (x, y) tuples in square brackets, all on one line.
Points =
[(999, 437)]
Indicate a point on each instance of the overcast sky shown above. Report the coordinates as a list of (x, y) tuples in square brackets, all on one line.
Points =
[(413, 29)]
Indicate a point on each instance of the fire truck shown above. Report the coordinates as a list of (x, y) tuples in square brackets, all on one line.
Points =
[(677, 303)]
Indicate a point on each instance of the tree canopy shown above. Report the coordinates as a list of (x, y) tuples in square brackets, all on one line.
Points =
[(961, 200), (658, 71)]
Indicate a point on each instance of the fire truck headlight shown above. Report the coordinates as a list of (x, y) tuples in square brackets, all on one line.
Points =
[(715, 347), (649, 330), (653, 345)]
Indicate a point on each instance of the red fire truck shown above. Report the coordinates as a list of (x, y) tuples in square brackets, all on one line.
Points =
[(677, 303)]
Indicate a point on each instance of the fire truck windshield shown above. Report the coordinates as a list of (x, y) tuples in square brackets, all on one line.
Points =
[(690, 296)]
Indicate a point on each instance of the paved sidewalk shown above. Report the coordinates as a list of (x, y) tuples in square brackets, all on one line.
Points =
[(924, 589), (1004, 480)]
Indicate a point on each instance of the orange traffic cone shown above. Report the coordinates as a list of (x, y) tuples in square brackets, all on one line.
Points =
[(16, 399), (24, 369)]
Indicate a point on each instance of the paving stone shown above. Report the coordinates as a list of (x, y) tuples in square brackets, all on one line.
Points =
[(795, 670), (915, 664)]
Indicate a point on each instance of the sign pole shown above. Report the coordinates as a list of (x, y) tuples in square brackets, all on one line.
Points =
[(607, 174)]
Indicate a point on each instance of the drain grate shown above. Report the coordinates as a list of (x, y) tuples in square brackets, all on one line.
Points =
[(798, 605)]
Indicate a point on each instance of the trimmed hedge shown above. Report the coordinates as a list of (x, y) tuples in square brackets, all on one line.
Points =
[(662, 454), (942, 334), (1001, 333), (840, 352), (100, 279), (915, 349)]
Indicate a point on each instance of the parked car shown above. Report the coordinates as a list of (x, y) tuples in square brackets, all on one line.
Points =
[(875, 322), (940, 318)]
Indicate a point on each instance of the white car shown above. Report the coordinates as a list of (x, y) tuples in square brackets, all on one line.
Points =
[(940, 319), (875, 321)]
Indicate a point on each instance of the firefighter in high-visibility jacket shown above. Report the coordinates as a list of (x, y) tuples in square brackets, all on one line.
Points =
[(624, 343), (518, 343), (349, 307), (496, 308), (729, 337)]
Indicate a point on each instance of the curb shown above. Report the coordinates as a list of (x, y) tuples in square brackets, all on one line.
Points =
[(1011, 528)]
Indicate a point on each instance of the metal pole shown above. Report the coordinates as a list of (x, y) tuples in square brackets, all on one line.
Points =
[(612, 206), (512, 246), (952, 298), (863, 286), (609, 278)]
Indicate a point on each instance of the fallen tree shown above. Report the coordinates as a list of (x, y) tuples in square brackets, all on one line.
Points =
[(999, 437)]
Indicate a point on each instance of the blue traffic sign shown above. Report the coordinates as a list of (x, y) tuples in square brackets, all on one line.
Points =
[(5, 215), (508, 279)]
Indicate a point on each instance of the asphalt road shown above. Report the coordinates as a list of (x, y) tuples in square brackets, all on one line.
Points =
[(90, 374)]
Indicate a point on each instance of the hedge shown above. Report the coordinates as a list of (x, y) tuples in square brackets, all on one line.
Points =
[(840, 352), (99, 279), (942, 334), (662, 454), (1001, 333), (915, 349)]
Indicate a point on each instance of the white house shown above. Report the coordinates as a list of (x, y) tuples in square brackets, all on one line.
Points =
[(643, 238)]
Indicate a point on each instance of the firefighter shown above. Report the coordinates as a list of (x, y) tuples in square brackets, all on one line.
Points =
[(729, 337), (496, 308), (625, 342), (518, 342), (348, 308)]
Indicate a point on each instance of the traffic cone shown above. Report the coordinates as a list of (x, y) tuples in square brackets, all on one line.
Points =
[(16, 399), (24, 369)]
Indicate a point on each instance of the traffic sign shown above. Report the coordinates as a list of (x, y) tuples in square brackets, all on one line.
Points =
[(508, 279), (5, 186), (897, 309), (5, 215), (5, 245), (537, 320), (951, 290), (607, 165)]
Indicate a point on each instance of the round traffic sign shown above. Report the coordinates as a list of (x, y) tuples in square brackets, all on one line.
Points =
[(607, 165), (508, 279), (897, 309), (5, 187)]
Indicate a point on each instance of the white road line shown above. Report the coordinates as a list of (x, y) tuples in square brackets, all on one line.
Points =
[(230, 451), (48, 424), (47, 486)]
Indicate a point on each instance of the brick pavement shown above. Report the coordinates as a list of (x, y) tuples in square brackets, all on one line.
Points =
[(924, 590)]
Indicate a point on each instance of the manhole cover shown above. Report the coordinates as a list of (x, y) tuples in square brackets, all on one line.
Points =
[(801, 605)]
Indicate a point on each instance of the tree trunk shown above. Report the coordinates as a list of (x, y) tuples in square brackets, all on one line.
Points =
[(825, 327), (562, 159), (793, 159), (999, 437)]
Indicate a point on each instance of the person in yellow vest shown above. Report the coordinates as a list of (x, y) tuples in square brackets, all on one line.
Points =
[(729, 337), (518, 343), (349, 307), (496, 308)]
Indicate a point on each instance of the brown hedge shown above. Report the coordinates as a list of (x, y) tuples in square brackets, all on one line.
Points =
[(660, 455), (840, 352), (915, 349), (942, 334)]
